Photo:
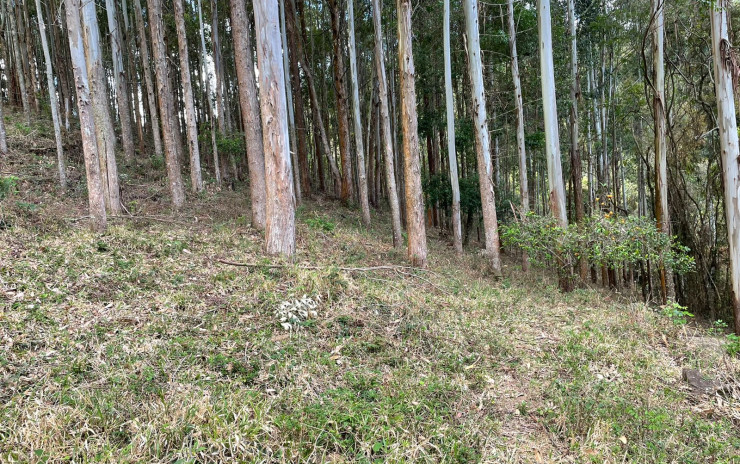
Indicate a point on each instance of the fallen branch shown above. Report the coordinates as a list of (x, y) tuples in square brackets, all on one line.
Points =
[(319, 268)]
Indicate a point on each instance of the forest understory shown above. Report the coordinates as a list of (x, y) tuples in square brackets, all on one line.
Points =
[(142, 345)]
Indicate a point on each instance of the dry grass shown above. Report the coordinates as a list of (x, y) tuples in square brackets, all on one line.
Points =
[(138, 346)]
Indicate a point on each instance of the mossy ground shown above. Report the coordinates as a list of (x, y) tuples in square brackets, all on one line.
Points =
[(137, 345)]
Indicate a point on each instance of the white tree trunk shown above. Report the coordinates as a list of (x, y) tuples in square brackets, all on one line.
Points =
[(521, 149), (206, 78), (362, 181), (289, 100), (662, 216), (53, 102), (451, 150), (147, 71), (385, 121), (196, 178), (122, 95), (3, 137), (250, 110), (552, 139), (105, 132), (415, 224), (166, 105), (483, 142), (730, 152), (87, 125), (280, 208)]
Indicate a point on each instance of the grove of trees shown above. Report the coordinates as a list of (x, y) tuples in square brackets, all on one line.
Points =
[(597, 138)]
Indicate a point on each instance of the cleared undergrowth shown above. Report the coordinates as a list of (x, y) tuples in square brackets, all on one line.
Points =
[(140, 346)]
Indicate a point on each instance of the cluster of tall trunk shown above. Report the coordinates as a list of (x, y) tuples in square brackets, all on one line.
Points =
[(295, 142)]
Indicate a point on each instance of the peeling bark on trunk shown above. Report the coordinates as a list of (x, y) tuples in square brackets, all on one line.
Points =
[(147, 71), (53, 103), (166, 105), (15, 46), (730, 152), (362, 181), (87, 125), (661, 171), (415, 226), (122, 95), (483, 143), (212, 108), (280, 208), (192, 131), (451, 150), (521, 149), (385, 125), (340, 89), (250, 110), (104, 131)]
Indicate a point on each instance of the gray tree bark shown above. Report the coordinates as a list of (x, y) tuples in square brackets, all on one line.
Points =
[(166, 105), (147, 71), (280, 206), (196, 178), (250, 110)]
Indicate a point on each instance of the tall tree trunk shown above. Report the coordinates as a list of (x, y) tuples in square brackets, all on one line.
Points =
[(415, 226), (15, 46), (250, 110), (575, 155), (104, 130), (87, 124), (166, 105), (292, 29), (385, 122), (483, 143), (522, 154), (122, 91), (364, 204), (280, 230), (212, 109), (3, 137), (318, 118), (53, 103), (340, 88), (451, 150), (552, 139), (730, 153), (289, 97), (147, 71), (661, 175), (182, 41)]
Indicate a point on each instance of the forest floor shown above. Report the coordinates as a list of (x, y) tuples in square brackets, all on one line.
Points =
[(139, 345)]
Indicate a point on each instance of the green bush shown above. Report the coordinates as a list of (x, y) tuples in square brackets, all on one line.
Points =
[(604, 240), (8, 186)]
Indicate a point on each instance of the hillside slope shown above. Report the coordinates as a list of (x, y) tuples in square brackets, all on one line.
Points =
[(141, 345)]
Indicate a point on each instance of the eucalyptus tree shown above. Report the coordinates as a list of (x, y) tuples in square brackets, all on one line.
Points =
[(415, 226), (520, 141), (340, 90), (104, 132), (451, 150), (3, 136), (280, 201), (362, 181), (724, 73), (53, 103), (385, 127), (662, 215), (17, 57), (119, 76), (211, 105), (148, 80), (95, 198), (549, 104), (250, 110), (289, 97), (196, 178), (166, 104), (482, 138)]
